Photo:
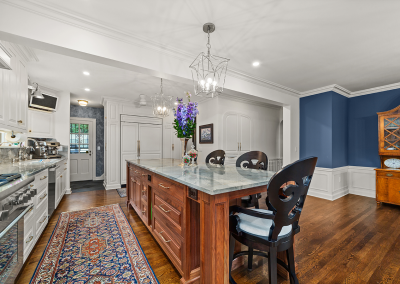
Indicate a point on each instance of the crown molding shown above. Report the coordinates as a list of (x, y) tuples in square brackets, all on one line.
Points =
[(335, 88), (376, 90)]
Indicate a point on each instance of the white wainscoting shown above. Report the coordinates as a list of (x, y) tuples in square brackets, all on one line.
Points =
[(334, 183), (362, 181)]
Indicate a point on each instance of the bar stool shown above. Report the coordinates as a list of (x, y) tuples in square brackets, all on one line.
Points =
[(272, 231), (245, 161), (216, 157)]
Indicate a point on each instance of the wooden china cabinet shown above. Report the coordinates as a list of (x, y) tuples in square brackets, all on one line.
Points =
[(388, 176)]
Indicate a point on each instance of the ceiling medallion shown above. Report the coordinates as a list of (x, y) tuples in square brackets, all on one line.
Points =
[(209, 71), (161, 104)]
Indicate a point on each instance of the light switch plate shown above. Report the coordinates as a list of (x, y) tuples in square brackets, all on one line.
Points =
[(98, 148)]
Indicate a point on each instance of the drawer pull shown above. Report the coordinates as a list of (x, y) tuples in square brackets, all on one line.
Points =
[(144, 211), (166, 211), (65, 168), (41, 198), (144, 175), (166, 187), (65, 163), (43, 178), (137, 172), (30, 210), (165, 241), (30, 239), (143, 191), (19, 121), (41, 222), (60, 176), (389, 175)]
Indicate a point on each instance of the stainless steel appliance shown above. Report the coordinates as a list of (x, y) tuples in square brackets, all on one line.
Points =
[(39, 149), (52, 150), (15, 202)]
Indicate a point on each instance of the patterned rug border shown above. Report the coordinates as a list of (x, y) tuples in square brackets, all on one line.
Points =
[(59, 218)]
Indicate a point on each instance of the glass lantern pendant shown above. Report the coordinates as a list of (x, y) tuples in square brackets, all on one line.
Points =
[(209, 71), (161, 104)]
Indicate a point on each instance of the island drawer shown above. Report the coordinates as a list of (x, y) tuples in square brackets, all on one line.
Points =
[(170, 210), (172, 246), (172, 189), (41, 178)]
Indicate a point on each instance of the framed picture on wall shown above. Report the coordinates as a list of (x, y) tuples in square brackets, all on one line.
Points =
[(206, 134)]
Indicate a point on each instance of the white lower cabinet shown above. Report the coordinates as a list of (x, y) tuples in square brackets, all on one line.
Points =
[(37, 218)]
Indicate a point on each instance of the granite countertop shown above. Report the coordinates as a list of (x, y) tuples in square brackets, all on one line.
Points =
[(27, 169), (208, 178)]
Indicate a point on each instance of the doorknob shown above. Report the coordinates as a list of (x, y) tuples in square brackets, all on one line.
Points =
[(89, 152)]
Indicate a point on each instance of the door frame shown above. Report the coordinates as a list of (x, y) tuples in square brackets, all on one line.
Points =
[(93, 121)]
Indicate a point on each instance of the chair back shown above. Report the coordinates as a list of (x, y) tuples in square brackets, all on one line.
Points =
[(216, 157), (246, 160), (287, 191)]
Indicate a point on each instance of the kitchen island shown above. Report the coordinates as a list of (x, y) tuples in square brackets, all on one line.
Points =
[(186, 209)]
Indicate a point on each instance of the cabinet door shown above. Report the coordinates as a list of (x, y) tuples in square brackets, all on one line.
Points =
[(12, 97), (231, 133), (171, 143), (150, 137), (245, 134), (131, 193), (22, 98), (129, 138), (137, 194), (41, 124), (58, 187), (3, 99)]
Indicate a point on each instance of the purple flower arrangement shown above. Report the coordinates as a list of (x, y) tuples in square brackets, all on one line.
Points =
[(185, 115)]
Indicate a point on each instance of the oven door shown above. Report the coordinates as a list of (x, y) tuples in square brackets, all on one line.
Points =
[(11, 245)]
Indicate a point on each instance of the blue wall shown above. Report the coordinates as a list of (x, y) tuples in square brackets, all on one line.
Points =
[(316, 128), (98, 114), (343, 131), (363, 126)]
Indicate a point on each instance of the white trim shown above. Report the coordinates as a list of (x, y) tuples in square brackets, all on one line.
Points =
[(111, 186), (93, 121), (332, 184), (99, 178), (68, 191)]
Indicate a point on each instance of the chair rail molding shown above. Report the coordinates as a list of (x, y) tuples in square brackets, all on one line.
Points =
[(332, 184)]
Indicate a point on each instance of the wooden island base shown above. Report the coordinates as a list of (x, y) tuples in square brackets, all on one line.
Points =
[(191, 226)]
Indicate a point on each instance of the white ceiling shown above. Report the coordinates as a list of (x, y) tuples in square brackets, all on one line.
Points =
[(65, 73), (301, 44)]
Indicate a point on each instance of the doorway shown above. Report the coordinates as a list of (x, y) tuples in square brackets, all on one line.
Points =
[(82, 135)]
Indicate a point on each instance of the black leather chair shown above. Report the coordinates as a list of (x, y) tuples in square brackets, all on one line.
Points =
[(216, 157), (271, 231), (245, 161)]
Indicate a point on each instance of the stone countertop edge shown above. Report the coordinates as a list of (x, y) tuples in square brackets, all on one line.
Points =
[(41, 167), (205, 190)]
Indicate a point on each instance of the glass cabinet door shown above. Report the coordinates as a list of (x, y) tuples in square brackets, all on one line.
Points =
[(391, 136)]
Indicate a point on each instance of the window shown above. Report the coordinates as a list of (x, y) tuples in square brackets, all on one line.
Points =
[(79, 138)]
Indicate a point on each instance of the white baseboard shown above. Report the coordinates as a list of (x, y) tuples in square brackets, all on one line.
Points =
[(332, 184), (111, 186), (68, 191), (99, 178)]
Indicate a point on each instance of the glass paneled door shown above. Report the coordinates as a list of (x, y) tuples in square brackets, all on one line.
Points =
[(81, 141)]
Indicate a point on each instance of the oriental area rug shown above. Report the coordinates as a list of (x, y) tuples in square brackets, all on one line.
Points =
[(94, 246)]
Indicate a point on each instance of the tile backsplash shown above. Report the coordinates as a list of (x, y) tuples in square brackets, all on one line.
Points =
[(7, 154)]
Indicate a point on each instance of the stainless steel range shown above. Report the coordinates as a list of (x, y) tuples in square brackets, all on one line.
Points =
[(15, 202)]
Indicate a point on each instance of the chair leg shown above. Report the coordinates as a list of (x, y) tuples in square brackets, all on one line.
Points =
[(272, 265), (232, 242), (250, 259), (291, 265)]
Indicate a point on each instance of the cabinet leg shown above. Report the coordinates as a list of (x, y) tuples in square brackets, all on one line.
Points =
[(378, 204)]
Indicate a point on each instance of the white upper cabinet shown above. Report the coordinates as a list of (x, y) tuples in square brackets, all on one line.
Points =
[(237, 133), (41, 124), (14, 97)]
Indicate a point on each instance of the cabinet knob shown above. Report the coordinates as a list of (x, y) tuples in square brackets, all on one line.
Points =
[(19, 121), (389, 175), (30, 130)]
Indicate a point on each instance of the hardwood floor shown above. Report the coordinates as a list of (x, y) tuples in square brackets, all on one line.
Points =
[(349, 240)]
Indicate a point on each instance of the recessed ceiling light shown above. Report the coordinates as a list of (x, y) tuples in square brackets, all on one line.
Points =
[(86, 73), (82, 102), (256, 63), (87, 89)]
